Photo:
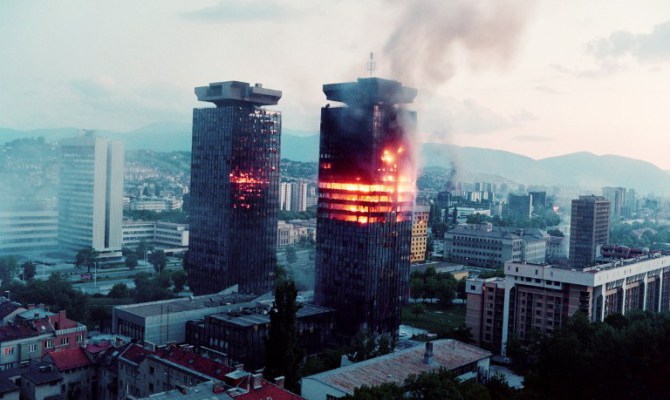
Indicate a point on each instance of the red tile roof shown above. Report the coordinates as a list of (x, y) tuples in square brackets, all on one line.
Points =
[(268, 391), (69, 359), (95, 348), (13, 332), (135, 353), (187, 358)]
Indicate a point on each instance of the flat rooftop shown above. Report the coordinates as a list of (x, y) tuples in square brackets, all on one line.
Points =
[(236, 92), (253, 317), (397, 366), (186, 304), (370, 91)]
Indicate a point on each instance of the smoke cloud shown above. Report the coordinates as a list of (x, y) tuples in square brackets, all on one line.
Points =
[(423, 48)]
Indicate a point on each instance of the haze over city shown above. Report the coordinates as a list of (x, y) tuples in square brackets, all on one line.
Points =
[(539, 78)]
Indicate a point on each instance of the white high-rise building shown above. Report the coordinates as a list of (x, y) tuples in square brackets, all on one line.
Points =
[(285, 196), (299, 196), (90, 201)]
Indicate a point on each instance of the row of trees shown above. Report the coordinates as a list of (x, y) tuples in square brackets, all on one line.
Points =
[(640, 234), (439, 384), (622, 358), (431, 285), (9, 269)]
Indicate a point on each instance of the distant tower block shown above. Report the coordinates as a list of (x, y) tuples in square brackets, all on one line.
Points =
[(90, 196), (234, 189)]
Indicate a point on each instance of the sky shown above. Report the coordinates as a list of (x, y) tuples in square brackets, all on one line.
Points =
[(537, 77)]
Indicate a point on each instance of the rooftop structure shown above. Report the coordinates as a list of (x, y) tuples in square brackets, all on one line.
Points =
[(164, 321), (465, 360), (234, 92)]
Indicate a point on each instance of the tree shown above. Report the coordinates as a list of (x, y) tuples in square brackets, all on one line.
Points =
[(440, 384), (164, 279), (460, 290), (131, 261), (179, 279), (555, 232), (119, 291), (29, 270), (291, 255), (141, 250), (86, 258), (384, 345), (418, 309), (8, 269), (158, 259), (282, 353)]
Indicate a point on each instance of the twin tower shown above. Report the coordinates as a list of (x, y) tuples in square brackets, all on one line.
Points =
[(366, 192)]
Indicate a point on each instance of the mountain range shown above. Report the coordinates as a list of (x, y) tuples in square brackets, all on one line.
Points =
[(576, 169)]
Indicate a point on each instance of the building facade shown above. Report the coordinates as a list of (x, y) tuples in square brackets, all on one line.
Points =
[(241, 332), (163, 235), (519, 206), (90, 196), (366, 191), (589, 228), (617, 199), (234, 189), (537, 299), (487, 246), (420, 216), (24, 232)]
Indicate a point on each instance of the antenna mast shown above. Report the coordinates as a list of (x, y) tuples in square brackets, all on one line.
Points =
[(371, 64)]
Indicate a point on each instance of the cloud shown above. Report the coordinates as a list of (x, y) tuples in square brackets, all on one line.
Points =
[(240, 11), (644, 47), (604, 69), (99, 102), (532, 138), (547, 90), (523, 116), (439, 117)]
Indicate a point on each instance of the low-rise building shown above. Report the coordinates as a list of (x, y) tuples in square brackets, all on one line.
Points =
[(466, 361), (162, 235), (488, 246), (77, 370), (35, 333), (164, 321), (241, 332), (157, 372), (539, 298), (26, 232), (158, 204)]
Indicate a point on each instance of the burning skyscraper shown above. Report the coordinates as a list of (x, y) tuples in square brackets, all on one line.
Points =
[(234, 189), (366, 190)]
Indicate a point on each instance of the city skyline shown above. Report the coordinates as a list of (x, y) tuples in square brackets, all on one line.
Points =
[(558, 78)]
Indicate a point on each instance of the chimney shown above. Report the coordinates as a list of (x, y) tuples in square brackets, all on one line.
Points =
[(428, 355), (279, 381), (257, 381)]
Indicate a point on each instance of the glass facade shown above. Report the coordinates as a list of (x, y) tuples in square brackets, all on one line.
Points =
[(366, 191), (234, 198)]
